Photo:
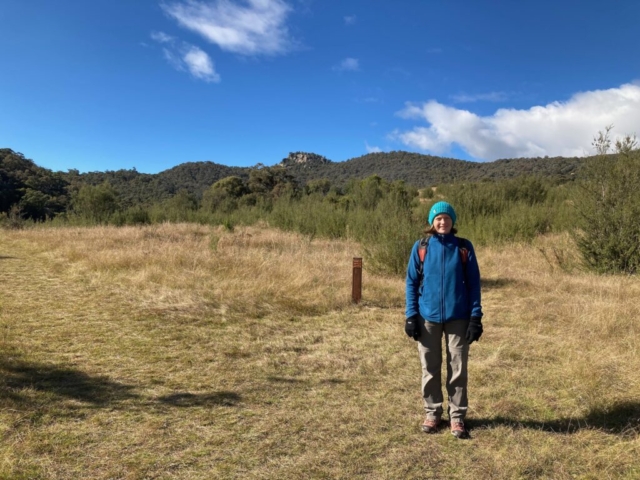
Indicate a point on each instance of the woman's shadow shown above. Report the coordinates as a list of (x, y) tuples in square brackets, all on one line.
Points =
[(19, 376), (24, 385), (622, 418)]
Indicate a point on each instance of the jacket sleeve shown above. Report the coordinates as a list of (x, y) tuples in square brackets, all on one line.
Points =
[(473, 280), (413, 283)]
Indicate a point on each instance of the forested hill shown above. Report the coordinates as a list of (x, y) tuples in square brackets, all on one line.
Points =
[(415, 169), (44, 193), (135, 188), (426, 170)]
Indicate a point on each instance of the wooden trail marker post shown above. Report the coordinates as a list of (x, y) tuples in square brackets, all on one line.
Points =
[(356, 284)]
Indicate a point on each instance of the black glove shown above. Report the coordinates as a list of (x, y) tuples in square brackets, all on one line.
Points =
[(412, 327), (474, 330)]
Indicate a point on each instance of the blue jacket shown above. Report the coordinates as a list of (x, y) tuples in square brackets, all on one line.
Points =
[(444, 295)]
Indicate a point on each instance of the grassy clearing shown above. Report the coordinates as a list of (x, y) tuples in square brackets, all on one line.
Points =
[(185, 351)]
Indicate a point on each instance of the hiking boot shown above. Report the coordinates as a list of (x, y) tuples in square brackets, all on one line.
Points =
[(431, 425), (458, 429)]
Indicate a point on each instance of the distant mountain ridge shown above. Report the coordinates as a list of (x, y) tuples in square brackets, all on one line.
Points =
[(195, 177), (412, 168), (426, 170)]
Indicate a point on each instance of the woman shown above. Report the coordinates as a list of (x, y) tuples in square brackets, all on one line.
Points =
[(443, 299)]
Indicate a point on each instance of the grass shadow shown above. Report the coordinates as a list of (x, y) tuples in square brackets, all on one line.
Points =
[(5, 257), (333, 381), (19, 378), (494, 283), (186, 399), (273, 378), (619, 419)]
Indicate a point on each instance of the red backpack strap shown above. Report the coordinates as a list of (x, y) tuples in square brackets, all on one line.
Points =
[(422, 249), (464, 255), (422, 253), (464, 251)]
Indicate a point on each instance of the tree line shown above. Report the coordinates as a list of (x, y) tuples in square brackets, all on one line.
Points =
[(38, 193)]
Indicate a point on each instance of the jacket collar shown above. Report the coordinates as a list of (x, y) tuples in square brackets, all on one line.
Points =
[(446, 238)]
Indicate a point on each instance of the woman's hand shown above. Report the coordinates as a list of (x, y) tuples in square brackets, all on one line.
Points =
[(474, 330), (412, 327)]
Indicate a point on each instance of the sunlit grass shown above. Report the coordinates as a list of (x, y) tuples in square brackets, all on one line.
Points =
[(185, 351)]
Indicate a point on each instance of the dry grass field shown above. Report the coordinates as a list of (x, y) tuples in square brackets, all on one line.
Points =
[(191, 352)]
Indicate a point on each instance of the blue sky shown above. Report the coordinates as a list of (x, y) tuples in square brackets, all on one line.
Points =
[(108, 84)]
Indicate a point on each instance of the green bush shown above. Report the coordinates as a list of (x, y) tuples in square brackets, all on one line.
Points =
[(310, 215), (510, 210), (95, 203), (131, 216), (608, 207), (387, 235)]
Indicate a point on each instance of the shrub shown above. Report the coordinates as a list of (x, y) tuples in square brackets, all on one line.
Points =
[(95, 203), (388, 235), (223, 195), (13, 219), (608, 207), (132, 216)]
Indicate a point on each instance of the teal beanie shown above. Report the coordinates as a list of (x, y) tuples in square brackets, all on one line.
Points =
[(441, 207)]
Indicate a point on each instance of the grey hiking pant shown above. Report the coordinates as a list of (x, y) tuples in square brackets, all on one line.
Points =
[(430, 349)]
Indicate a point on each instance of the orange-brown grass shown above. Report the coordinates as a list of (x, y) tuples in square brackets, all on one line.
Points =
[(185, 351)]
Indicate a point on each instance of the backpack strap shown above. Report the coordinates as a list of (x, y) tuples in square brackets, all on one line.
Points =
[(422, 248), (464, 250), (422, 253), (464, 255)]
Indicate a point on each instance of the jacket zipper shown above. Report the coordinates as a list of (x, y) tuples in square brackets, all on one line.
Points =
[(442, 315)]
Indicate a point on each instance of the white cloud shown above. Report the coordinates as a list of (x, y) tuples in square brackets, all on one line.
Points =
[(557, 129), (483, 97), (348, 65), (200, 65), (161, 37), (186, 57), (349, 19), (255, 28), (371, 148)]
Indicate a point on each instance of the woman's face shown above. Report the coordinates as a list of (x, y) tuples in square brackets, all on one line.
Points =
[(443, 223)]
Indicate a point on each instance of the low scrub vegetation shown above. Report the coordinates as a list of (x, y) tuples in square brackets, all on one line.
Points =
[(195, 351), (597, 204), (384, 217)]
